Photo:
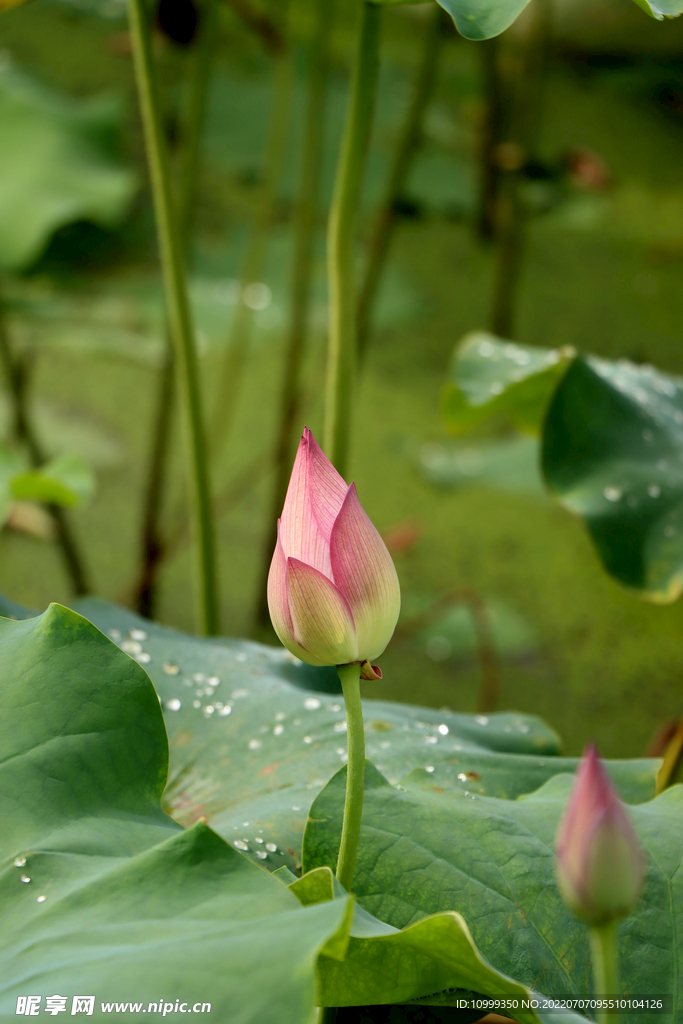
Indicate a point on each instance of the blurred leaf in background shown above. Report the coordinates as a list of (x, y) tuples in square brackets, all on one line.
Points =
[(59, 165)]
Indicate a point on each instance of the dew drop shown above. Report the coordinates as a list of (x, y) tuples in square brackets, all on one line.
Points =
[(255, 744), (19, 862), (138, 634), (209, 710), (481, 719), (213, 681), (240, 693), (429, 768), (199, 677), (296, 808), (41, 899), (280, 716), (25, 878), (144, 658), (308, 739), (496, 388), (271, 847), (311, 704), (523, 727), (261, 854), (278, 730), (654, 490), (443, 729), (485, 349), (245, 824), (385, 745), (340, 726), (115, 634), (196, 703), (241, 845), (241, 656), (131, 647), (462, 777), (225, 711), (431, 739), (613, 493), (335, 707), (170, 669), (258, 839), (173, 704)]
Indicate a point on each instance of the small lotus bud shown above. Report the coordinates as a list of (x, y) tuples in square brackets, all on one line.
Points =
[(333, 592), (600, 865)]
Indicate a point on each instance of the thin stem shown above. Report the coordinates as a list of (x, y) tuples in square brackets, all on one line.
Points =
[(180, 322), (355, 775), (15, 374), (341, 360), (492, 133), (290, 400), (525, 121), (603, 939), (257, 246), (404, 156), (154, 547)]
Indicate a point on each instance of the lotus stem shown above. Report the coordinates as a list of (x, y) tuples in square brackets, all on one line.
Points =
[(341, 360), (355, 775), (404, 155), (154, 546), (179, 318), (24, 429), (603, 939)]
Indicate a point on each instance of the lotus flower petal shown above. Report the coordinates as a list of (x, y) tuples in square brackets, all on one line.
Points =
[(322, 620), (364, 572), (599, 861), (315, 494), (278, 603)]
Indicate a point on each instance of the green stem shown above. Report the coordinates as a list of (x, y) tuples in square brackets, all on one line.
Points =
[(25, 432), (257, 246), (355, 775), (603, 939), (154, 546), (179, 317), (341, 358), (301, 285), (404, 155)]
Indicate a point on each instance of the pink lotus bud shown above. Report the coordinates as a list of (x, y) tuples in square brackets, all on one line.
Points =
[(333, 592), (600, 865)]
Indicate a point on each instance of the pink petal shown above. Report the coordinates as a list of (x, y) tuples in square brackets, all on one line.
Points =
[(323, 623), (314, 496), (278, 605), (364, 572)]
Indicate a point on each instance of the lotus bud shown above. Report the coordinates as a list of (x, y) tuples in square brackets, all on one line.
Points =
[(600, 865), (333, 592)]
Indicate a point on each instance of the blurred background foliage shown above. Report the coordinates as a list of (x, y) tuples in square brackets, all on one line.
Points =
[(497, 581)]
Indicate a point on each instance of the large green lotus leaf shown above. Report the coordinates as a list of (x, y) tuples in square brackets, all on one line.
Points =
[(489, 376), (252, 739), (423, 852), (662, 8), (478, 20), (101, 893), (384, 965), (613, 454), (64, 481), (57, 166)]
